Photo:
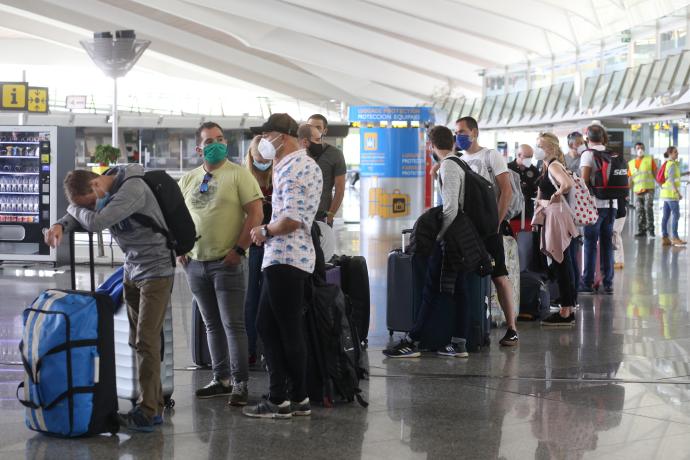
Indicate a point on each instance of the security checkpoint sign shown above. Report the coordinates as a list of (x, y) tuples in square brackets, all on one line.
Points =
[(14, 96), (391, 152), (38, 99)]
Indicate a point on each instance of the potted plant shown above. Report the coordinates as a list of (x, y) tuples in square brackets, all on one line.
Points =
[(105, 155)]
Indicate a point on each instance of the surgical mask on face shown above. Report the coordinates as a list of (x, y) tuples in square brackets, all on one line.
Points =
[(266, 149), (315, 149), (527, 162), (463, 141), (102, 201), (539, 154), (215, 153), (262, 166), (581, 148)]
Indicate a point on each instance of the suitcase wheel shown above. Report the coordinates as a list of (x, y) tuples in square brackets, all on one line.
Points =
[(169, 402), (114, 424)]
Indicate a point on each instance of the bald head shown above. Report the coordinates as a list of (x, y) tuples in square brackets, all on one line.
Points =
[(307, 135), (524, 152)]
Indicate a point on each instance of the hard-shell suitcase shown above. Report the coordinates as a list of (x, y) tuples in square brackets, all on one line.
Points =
[(510, 248), (201, 356), (68, 355), (404, 293), (478, 292)]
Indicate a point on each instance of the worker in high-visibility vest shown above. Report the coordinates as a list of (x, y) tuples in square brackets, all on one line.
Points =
[(642, 171), (670, 194)]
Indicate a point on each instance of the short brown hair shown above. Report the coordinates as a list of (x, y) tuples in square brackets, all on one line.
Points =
[(441, 138), (78, 183), (206, 125), (597, 133), (305, 132), (470, 122)]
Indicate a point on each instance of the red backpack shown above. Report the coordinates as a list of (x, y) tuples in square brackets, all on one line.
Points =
[(661, 174)]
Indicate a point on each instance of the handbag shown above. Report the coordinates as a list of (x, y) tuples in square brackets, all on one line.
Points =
[(581, 201)]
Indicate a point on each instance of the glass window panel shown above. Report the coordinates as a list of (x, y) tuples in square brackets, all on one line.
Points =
[(476, 107), (588, 93), (541, 101), (532, 97), (508, 107), (682, 72), (600, 91), (486, 108), (458, 109), (626, 87), (564, 98), (641, 81), (654, 76), (553, 99), (519, 106), (498, 108), (614, 88), (667, 74)]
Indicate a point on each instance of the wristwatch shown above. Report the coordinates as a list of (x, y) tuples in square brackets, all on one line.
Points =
[(265, 233), (240, 250)]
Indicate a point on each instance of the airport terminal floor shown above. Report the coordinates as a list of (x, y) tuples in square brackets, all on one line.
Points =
[(614, 386)]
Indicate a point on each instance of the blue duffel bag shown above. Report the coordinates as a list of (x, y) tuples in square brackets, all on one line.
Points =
[(68, 354)]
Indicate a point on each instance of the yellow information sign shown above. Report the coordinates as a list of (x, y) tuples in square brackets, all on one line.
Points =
[(14, 96), (38, 99)]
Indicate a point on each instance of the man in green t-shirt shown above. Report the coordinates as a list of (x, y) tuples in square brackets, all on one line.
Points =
[(225, 202)]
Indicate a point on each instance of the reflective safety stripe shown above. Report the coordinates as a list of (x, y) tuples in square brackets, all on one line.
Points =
[(642, 177)]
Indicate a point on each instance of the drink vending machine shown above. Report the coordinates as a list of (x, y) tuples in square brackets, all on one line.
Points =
[(33, 164)]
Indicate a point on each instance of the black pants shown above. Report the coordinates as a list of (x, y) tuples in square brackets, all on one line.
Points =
[(563, 274), (280, 324), (432, 289)]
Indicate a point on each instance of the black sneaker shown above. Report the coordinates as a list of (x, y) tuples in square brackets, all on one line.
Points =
[(510, 339), (640, 234), (608, 290), (652, 235), (585, 290), (454, 350), (556, 320), (266, 409), (404, 349), (300, 409), (214, 390), (138, 421)]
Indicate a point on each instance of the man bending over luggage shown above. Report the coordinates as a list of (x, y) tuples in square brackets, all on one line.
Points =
[(452, 179), (108, 201), (289, 259)]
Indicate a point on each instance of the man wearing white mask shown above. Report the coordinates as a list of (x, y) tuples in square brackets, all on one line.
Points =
[(225, 202), (289, 259), (525, 165), (576, 146)]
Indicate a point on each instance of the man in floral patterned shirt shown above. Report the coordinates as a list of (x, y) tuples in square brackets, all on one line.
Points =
[(289, 259)]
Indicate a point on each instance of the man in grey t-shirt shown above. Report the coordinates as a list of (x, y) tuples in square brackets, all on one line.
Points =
[(332, 163)]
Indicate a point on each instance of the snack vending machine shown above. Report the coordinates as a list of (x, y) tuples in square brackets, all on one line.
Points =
[(33, 164)]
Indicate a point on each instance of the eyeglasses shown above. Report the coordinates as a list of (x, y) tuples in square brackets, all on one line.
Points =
[(203, 188)]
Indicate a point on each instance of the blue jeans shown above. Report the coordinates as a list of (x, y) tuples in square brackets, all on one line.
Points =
[(672, 210), (219, 291), (251, 301), (601, 231)]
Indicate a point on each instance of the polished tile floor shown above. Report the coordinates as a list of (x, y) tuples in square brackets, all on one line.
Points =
[(615, 386)]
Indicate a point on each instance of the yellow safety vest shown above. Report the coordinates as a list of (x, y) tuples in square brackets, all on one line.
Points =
[(672, 175), (642, 177)]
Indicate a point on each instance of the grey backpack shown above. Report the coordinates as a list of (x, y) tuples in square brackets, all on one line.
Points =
[(517, 201)]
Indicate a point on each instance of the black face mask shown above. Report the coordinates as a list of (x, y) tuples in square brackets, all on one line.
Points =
[(315, 149)]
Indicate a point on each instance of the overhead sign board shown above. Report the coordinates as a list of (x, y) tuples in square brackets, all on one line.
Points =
[(37, 101), (14, 96), (75, 102)]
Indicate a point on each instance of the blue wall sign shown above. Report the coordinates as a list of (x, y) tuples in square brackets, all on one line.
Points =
[(391, 152), (376, 114)]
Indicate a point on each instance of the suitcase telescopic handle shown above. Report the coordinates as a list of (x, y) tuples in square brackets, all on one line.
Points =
[(407, 231), (73, 264)]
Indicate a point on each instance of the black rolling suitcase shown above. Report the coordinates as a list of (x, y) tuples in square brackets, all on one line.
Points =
[(201, 356), (70, 346), (404, 293)]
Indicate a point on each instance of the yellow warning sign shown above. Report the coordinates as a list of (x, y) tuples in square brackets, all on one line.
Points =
[(13, 96), (38, 99)]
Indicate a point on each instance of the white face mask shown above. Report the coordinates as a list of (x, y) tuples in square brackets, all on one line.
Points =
[(640, 152), (539, 154), (527, 162), (266, 149), (581, 148)]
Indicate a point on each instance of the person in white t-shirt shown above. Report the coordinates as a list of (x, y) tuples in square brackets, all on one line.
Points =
[(602, 230), (490, 164)]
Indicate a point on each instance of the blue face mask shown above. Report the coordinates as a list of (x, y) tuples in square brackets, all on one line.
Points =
[(215, 153), (101, 202), (463, 141), (262, 166)]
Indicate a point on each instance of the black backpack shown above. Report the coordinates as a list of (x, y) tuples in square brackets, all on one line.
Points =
[(480, 200), (609, 176), (181, 233), (355, 286)]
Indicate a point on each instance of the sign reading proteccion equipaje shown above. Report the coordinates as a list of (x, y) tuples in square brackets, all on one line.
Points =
[(376, 114)]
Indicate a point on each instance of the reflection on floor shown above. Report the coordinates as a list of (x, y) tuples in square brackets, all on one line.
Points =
[(615, 386)]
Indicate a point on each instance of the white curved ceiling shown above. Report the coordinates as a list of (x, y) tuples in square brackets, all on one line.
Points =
[(390, 52)]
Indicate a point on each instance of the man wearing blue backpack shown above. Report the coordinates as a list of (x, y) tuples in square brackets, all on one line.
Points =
[(115, 201)]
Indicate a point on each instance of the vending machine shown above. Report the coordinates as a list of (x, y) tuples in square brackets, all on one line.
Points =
[(33, 164)]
